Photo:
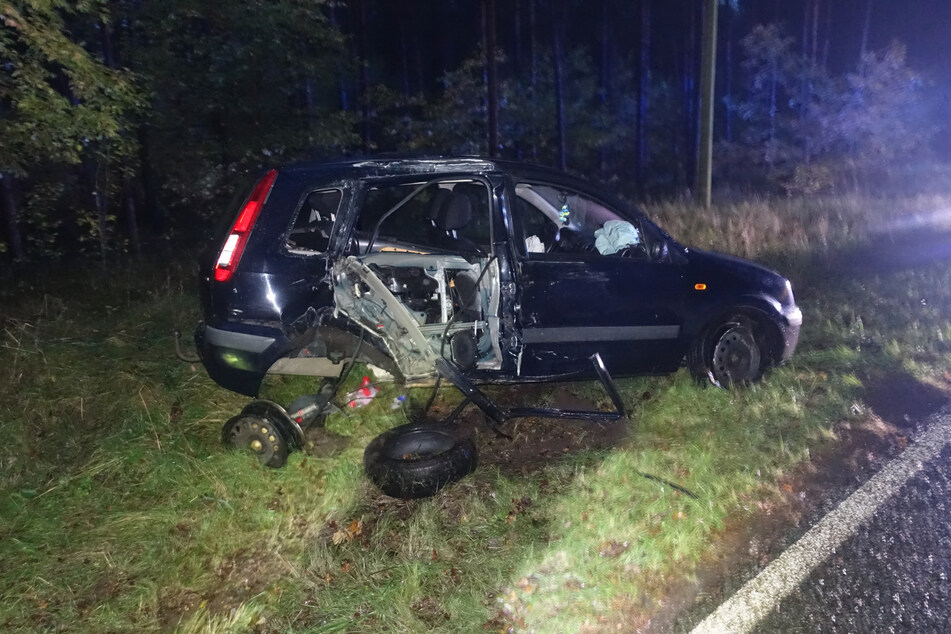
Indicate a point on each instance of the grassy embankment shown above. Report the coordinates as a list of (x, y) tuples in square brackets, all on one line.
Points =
[(119, 510)]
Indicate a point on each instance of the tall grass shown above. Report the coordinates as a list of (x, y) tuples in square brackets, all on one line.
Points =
[(754, 226), (120, 511)]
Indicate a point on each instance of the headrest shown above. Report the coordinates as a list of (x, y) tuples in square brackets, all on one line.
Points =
[(473, 190), (323, 205), (455, 214), (438, 201)]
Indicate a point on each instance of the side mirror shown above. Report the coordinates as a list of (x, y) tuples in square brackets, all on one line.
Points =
[(660, 251)]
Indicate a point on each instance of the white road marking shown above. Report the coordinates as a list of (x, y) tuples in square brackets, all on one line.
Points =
[(759, 596)]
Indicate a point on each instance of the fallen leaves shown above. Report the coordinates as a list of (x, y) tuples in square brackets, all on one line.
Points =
[(518, 506), (612, 548), (344, 535)]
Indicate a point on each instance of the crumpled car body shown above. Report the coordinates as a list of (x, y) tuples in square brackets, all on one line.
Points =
[(513, 272)]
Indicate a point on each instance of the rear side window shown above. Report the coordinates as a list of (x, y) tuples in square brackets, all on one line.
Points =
[(314, 222)]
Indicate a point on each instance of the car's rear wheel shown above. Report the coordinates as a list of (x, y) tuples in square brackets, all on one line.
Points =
[(257, 435), (418, 459), (264, 429), (730, 353)]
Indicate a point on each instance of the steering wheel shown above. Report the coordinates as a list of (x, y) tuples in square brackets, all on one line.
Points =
[(638, 251), (568, 240)]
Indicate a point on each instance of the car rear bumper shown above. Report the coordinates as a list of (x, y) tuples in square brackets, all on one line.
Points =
[(239, 360)]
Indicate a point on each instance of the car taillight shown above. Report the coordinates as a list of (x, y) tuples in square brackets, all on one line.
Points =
[(238, 236)]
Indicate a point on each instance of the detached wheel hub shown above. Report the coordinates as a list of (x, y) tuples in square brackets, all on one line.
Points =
[(264, 429)]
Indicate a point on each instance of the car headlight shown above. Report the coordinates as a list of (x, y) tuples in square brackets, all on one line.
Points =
[(785, 294)]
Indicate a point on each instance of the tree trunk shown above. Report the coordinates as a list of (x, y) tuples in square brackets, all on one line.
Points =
[(12, 217), (707, 88), (804, 42), (810, 47), (865, 29), (154, 218), (689, 86), (341, 81), (533, 83), (100, 201), (558, 16), (771, 138), (405, 13), (814, 53), (364, 81), (492, 79), (643, 90), (131, 216), (728, 75), (826, 36), (605, 76)]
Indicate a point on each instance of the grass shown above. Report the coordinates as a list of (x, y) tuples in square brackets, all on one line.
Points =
[(120, 511)]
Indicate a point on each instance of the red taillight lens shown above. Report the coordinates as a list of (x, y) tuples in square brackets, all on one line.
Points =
[(238, 236)]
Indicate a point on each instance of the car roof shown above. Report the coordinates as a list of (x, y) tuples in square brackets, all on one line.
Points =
[(405, 165)]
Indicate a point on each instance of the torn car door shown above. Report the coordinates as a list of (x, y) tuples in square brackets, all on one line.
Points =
[(423, 306)]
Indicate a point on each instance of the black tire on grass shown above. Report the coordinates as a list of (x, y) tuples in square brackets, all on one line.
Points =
[(417, 460), (730, 353)]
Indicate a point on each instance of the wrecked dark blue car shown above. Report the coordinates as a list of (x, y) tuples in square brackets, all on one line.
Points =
[(477, 271)]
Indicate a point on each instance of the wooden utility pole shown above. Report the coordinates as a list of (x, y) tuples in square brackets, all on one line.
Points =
[(492, 78), (708, 65)]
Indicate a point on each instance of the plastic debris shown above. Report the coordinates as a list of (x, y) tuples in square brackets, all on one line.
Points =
[(534, 244), (398, 401), (363, 394)]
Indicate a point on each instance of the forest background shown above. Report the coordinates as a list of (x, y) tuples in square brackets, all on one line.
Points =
[(125, 124)]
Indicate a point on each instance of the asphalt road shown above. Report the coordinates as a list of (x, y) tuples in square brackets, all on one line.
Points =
[(893, 575), (880, 562)]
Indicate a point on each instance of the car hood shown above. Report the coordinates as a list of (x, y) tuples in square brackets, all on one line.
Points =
[(737, 272)]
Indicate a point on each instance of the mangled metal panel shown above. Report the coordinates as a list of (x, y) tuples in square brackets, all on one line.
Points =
[(363, 297), (367, 291)]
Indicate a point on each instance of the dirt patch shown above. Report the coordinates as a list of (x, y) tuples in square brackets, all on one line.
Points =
[(241, 576), (175, 605), (237, 578), (108, 586), (536, 442), (900, 399), (430, 612), (321, 443)]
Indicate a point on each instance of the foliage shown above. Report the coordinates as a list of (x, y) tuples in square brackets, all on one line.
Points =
[(455, 121), (234, 87), (121, 113), (883, 117), (57, 98), (60, 105), (808, 131)]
